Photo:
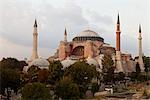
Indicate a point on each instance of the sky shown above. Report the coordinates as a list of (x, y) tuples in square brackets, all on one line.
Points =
[(17, 19)]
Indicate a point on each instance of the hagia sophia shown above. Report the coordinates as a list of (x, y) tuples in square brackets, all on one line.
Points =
[(90, 46)]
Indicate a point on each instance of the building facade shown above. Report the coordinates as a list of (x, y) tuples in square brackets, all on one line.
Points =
[(90, 46)]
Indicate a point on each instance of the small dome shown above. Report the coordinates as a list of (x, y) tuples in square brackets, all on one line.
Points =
[(88, 33), (92, 61), (40, 62), (67, 62)]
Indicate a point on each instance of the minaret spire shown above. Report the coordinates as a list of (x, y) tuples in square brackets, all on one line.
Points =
[(35, 23), (35, 42), (139, 28), (140, 60), (118, 20), (65, 35)]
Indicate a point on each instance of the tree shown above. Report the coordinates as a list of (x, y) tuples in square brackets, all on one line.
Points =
[(9, 75), (146, 63), (138, 70), (33, 73), (120, 76), (55, 68), (22, 64), (43, 75), (35, 91), (10, 79), (10, 63), (36, 74), (81, 73), (133, 76), (141, 78), (67, 90), (108, 68), (95, 88), (107, 62), (109, 76)]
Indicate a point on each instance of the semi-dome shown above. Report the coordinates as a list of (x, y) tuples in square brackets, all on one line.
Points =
[(67, 62), (40, 62), (92, 61), (88, 35)]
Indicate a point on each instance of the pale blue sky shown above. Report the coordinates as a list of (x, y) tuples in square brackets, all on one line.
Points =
[(17, 18)]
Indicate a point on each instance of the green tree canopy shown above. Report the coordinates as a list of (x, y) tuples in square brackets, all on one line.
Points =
[(43, 75), (120, 76), (137, 68), (9, 79), (67, 90), (146, 63), (95, 88), (108, 68), (33, 73), (133, 76), (107, 62), (22, 64), (55, 68), (35, 91), (81, 72), (10, 63), (9, 74), (36, 74)]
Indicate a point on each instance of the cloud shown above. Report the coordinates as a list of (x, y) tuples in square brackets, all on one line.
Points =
[(18, 21), (100, 19), (17, 26)]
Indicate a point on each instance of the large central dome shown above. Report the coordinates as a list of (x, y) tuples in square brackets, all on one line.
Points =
[(88, 35)]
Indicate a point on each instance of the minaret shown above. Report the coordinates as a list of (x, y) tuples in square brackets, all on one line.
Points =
[(65, 36), (119, 67), (35, 42), (140, 60), (118, 35)]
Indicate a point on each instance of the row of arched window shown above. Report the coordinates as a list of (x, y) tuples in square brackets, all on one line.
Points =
[(88, 38)]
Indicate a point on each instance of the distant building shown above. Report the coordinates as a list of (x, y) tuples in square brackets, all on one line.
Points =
[(88, 45)]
